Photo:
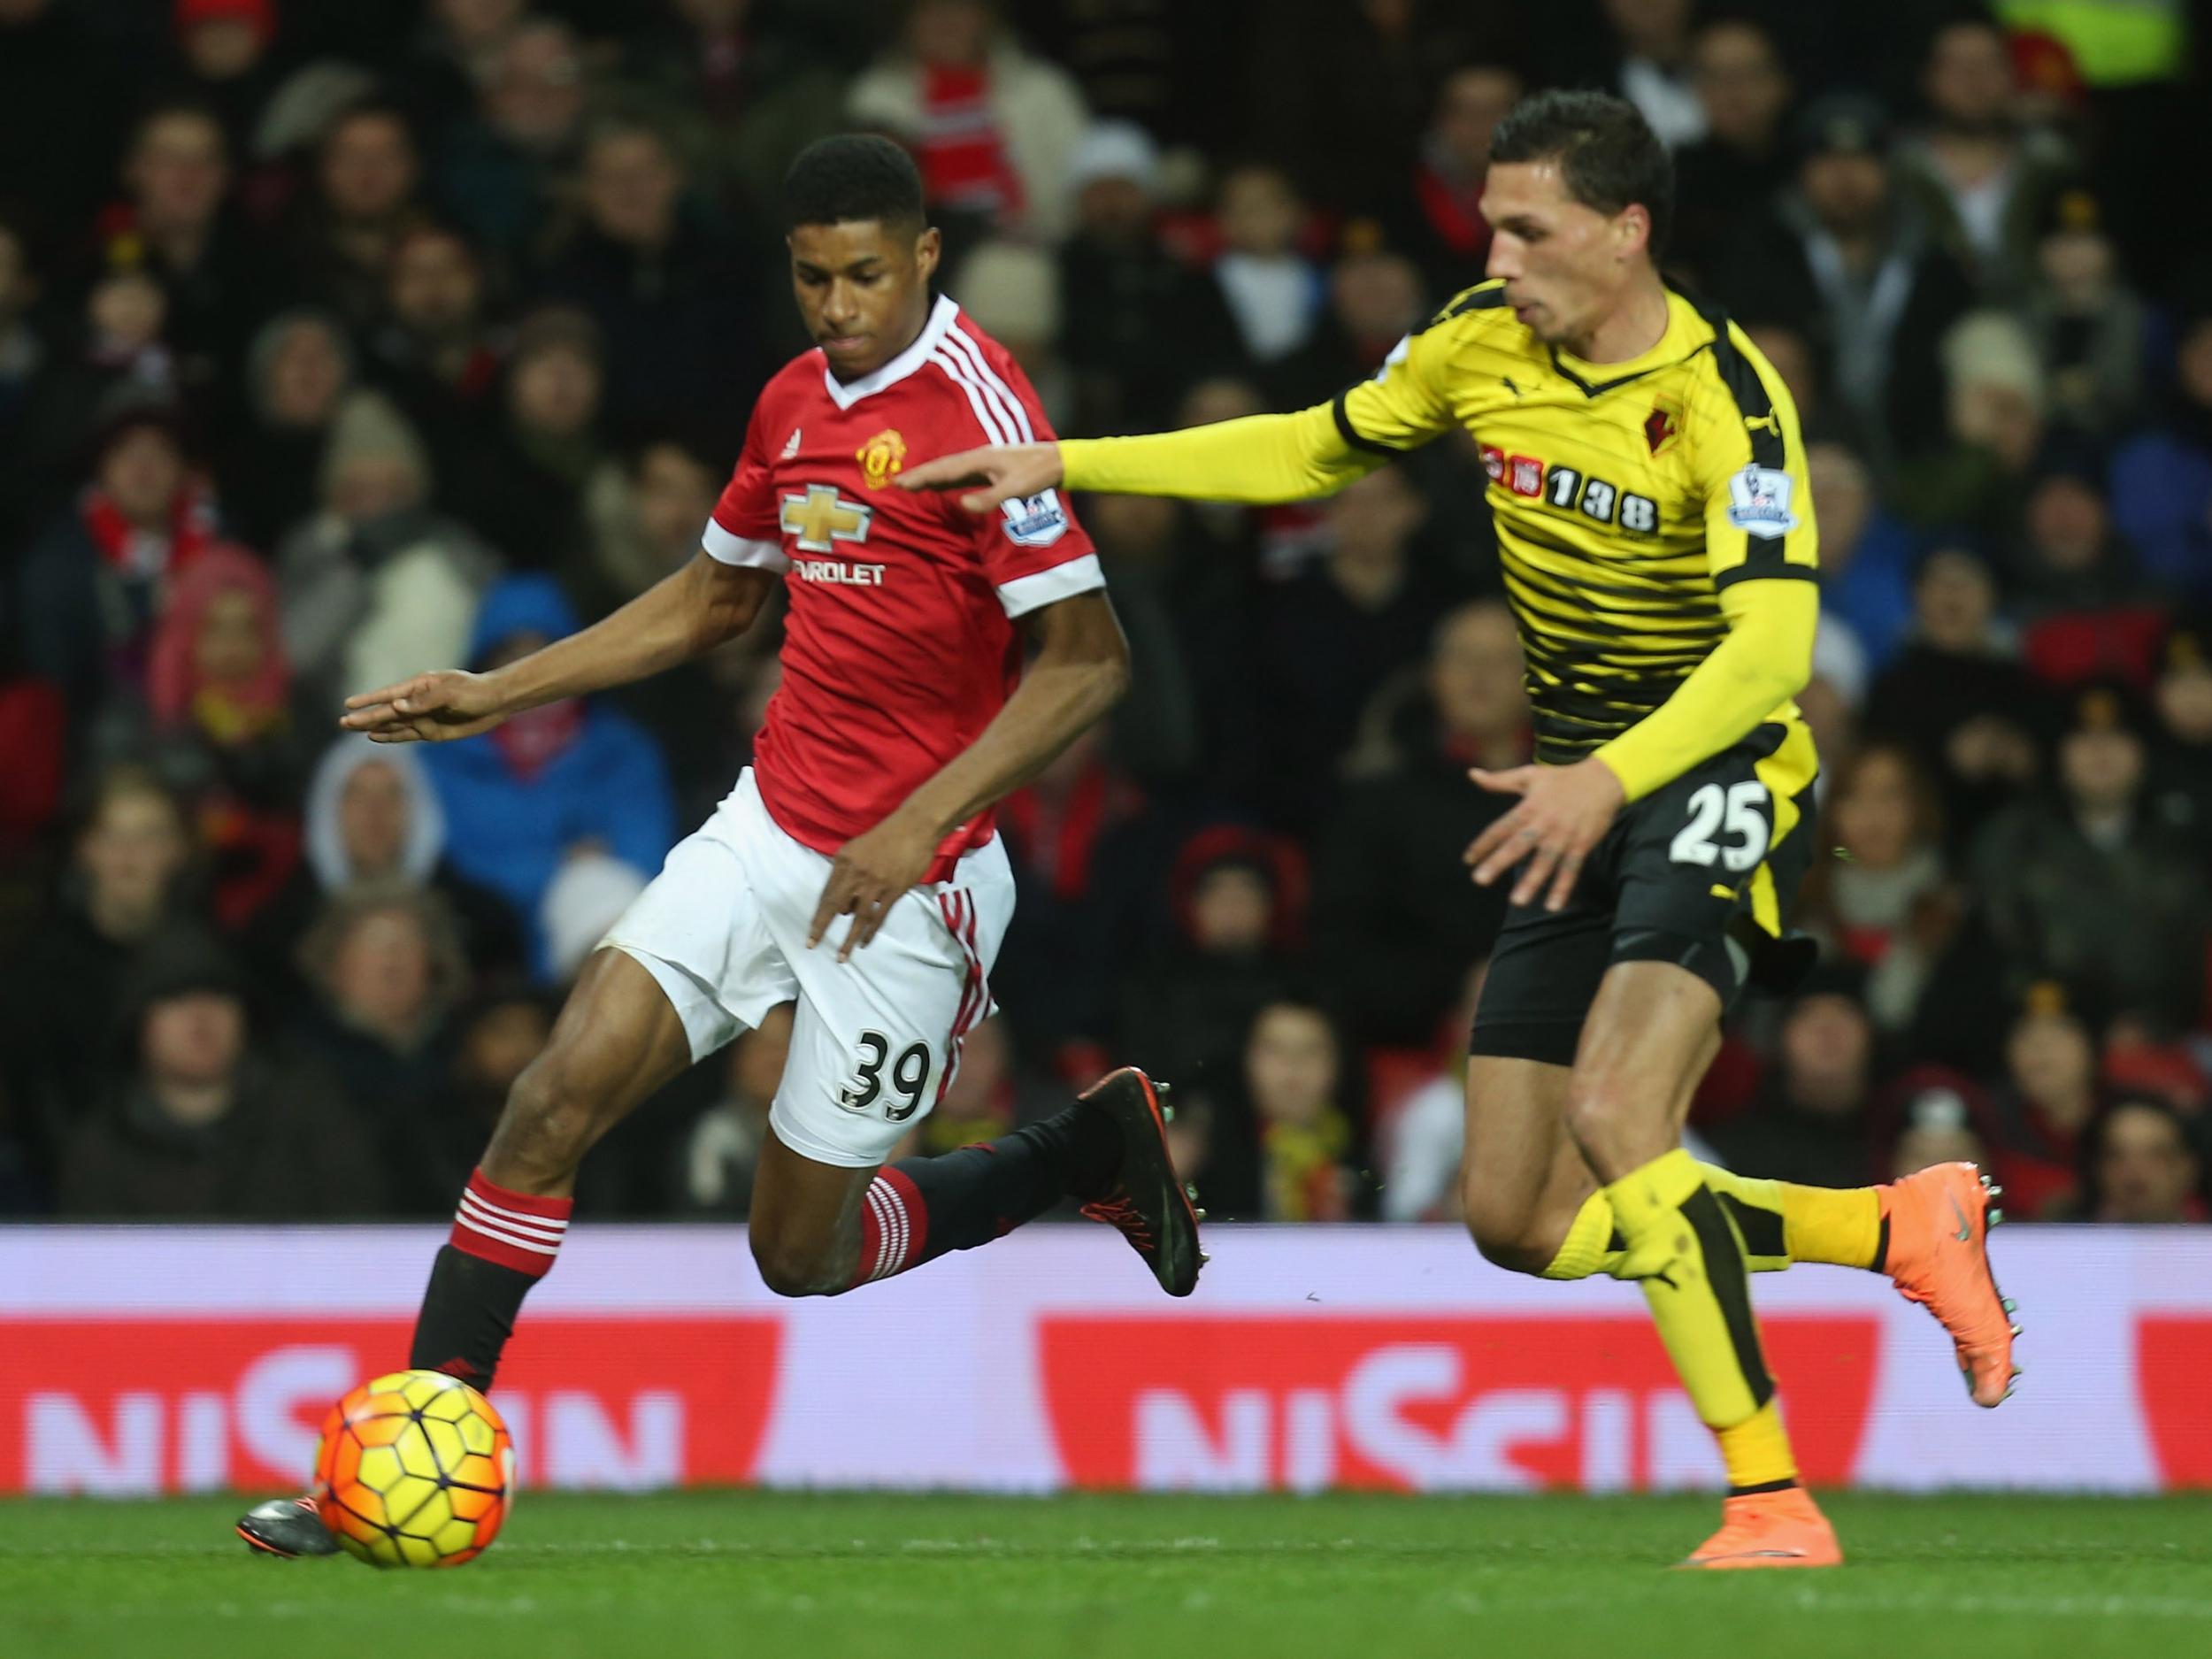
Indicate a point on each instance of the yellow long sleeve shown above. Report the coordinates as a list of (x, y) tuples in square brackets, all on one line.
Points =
[(1750, 677), (1258, 460)]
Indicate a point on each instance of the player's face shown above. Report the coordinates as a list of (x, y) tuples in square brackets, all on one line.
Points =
[(862, 289), (1564, 264)]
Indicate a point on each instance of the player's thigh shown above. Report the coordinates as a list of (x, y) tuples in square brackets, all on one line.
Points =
[(1521, 1180), (1651, 1032), (617, 1040)]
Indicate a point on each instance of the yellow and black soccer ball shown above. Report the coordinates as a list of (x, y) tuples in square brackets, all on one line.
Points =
[(416, 1469)]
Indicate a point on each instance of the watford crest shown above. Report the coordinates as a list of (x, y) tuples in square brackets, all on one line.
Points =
[(1664, 424), (881, 457)]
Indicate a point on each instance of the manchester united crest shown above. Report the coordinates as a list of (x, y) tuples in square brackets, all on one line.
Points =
[(881, 457), (1664, 424)]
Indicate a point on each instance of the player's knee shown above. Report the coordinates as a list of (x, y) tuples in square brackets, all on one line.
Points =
[(791, 1268), (548, 1124), (1504, 1230)]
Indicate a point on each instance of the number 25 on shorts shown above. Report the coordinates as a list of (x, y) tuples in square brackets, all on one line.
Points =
[(1739, 811)]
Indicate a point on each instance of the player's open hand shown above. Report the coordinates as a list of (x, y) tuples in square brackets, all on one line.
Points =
[(1563, 813), (993, 475), (433, 708), (871, 874)]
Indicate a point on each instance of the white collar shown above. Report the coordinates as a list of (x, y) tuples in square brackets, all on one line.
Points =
[(845, 394)]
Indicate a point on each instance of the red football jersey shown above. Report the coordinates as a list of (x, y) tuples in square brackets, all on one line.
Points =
[(899, 645)]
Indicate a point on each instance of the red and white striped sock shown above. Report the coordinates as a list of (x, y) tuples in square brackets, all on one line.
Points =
[(511, 1228), (894, 1227)]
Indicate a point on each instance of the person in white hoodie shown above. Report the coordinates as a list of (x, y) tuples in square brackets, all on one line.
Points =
[(992, 127)]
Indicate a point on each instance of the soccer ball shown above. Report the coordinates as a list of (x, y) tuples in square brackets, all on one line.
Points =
[(415, 1471)]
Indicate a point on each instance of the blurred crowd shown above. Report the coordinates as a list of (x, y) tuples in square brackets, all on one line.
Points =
[(339, 341)]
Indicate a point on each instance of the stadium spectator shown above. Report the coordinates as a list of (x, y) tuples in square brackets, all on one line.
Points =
[(496, 1038), (584, 898), (373, 819), (1150, 322), (2044, 1103), (1984, 183), (1155, 731), (375, 584), (1333, 635), (60, 88), (2087, 608), (531, 491), (992, 127), (1885, 901), (1013, 293), (1846, 258), (364, 201), (2182, 758), (1295, 1077), (2099, 887), (88, 589), (130, 870), (298, 371), (224, 60), (654, 271), (1651, 43), (1811, 1121), (1743, 159), (2138, 1165), (1396, 921), (714, 1177), (552, 781), (1995, 432), (1375, 299), (1957, 693), (175, 225), (1423, 1139), (1275, 294), (109, 359), (1938, 1128), (202, 1124), (2091, 330), (1239, 901), (501, 168), (383, 961), (759, 92), (1866, 555), (1436, 217), (436, 355), (2161, 479), (1087, 854)]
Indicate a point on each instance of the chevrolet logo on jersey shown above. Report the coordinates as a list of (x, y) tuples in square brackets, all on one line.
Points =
[(822, 518)]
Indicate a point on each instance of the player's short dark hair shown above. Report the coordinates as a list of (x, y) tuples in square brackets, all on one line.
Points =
[(853, 176), (1607, 152)]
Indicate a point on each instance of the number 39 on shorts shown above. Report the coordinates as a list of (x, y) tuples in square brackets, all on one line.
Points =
[(909, 1074), (1727, 826)]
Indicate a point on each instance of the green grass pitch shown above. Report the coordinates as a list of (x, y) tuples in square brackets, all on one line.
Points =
[(848, 1577)]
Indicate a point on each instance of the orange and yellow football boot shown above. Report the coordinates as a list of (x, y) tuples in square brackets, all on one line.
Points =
[(1770, 1529), (1939, 1257)]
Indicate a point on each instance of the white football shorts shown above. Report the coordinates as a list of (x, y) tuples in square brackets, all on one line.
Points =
[(874, 1041)]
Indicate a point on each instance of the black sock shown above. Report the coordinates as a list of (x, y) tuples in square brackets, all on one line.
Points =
[(983, 1193), (468, 1313)]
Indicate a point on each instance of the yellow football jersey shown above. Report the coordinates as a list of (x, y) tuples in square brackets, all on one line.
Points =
[(1625, 495)]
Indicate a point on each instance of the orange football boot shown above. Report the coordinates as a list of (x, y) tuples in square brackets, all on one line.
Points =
[(1939, 1257), (1770, 1529)]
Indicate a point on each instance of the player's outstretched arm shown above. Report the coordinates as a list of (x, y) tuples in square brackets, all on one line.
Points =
[(1080, 670), (1258, 459), (680, 617)]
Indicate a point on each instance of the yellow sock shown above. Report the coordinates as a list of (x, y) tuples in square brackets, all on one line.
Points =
[(1685, 1251), (1588, 1248), (1758, 1450), (1781, 1223)]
